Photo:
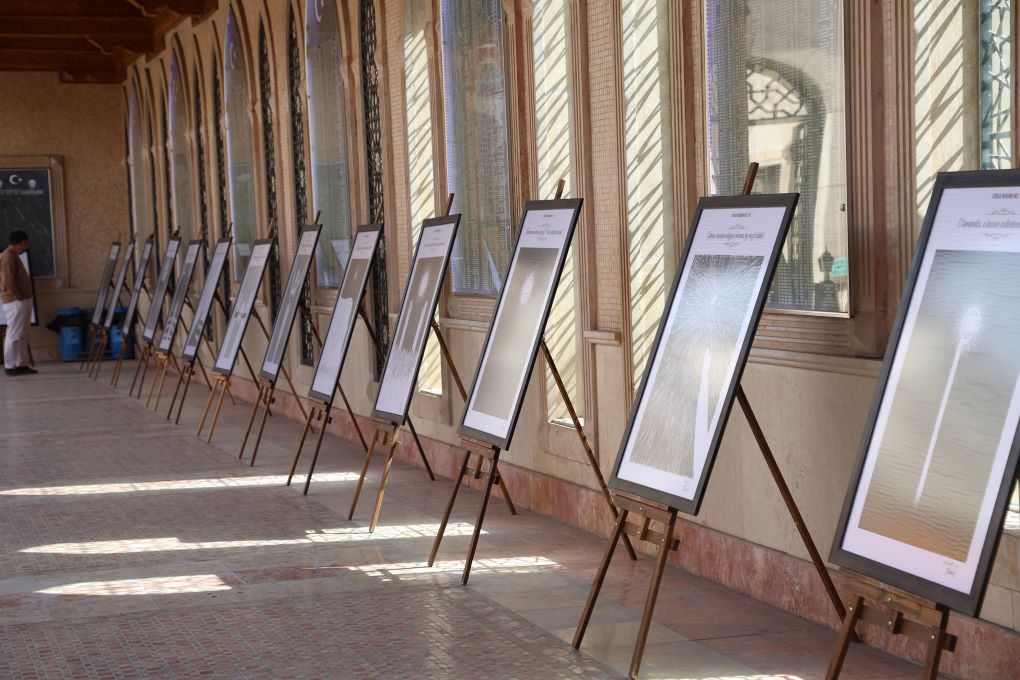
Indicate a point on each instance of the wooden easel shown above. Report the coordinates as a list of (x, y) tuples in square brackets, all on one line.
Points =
[(168, 358), (188, 370), (320, 412), (491, 453), (137, 280), (899, 613), (650, 511)]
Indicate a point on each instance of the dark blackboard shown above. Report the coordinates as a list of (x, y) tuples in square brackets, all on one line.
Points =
[(26, 204)]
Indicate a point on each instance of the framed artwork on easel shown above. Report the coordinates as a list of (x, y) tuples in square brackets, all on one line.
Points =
[(940, 453), (700, 349), (511, 346), (166, 339), (104, 284), (240, 313), (166, 270)]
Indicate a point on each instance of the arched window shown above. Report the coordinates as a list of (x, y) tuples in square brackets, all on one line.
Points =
[(140, 214), (555, 156), (327, 127), (167, 173), (221, 168), (237, 91), (203, 194), (297, 145), (478, 170), (647, 141), (269, 156), (180, 168)]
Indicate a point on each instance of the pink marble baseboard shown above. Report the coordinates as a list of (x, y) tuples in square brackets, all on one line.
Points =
[(985, 650)]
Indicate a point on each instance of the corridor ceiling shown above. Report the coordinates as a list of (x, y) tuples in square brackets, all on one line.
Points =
[(88, 41)]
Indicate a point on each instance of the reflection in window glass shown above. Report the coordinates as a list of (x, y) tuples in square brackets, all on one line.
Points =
[(554, 137), (179, 166), (420, 173), (327, 127), (239, 149), (141, 213), (776, 96), (995, 74), (647, 135), (476, 142)]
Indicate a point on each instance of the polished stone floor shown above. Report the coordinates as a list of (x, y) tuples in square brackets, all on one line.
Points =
[(130, 548)]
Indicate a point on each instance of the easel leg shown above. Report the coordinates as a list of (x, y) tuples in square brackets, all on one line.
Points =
[(143, 358), (382, 485), (145, 370), (162, 381), (361, 479), (493, 474), (304, 435), (90, 341), (653, 594), (846, 635), (251, 421), (506, 496), (600, 577), (791, 504), (161, 369), (184, 395), (120, 362), (216, 416), (449, 507), (421, 450), (205, 411), (177, 390), (262, 425), (326, 420), (354, 418), (934, 654)]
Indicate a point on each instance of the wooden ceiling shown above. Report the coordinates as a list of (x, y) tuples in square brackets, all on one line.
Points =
[(88, 41)]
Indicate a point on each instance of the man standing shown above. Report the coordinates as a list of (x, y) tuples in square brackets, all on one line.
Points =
[(16, 293)]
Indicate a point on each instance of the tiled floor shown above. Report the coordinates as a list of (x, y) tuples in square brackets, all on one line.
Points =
[(130, 548)]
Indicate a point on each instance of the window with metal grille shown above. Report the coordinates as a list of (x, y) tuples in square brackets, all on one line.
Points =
[(240, 175), (180, 167), (297, 144), (269, 156)]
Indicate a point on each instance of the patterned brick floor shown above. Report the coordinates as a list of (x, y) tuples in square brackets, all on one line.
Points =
[(131, 549)]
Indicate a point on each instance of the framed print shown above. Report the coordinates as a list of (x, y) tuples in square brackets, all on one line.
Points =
[(288, 305), (518, 325), (205, 300), (125, 264), (345, 313), (418, 306), (700, 348), (245, 300), (27, 261), (173, 317), (166, 270), (938, 459), (104, 283), (136, 287)]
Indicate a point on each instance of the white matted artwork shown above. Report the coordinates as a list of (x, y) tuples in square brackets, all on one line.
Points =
[(136, 287), (345, 314), (694, 368), (939, 455), (205, 300), (27, 261), (173, 316), (243, 303), (417, 308), (125, 264), (104, 283), (289, 304), (511, 345), (166, 270)]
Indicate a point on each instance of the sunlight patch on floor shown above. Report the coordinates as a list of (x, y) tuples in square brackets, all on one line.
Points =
[(171, 485), (504, 565), (311, 537), (165, 585)]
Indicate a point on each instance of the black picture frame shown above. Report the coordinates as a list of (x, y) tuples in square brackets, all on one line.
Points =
[(137, 283), (104, 284), (279, 337), (691, 506), (240, 313), (401, 417), (342, 344), (967, 603), (173, 316), (213, 278), (503, 442), (125, 264), (166, 270)]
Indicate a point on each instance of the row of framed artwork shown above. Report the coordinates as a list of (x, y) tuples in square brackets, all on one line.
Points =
[(939, 455)]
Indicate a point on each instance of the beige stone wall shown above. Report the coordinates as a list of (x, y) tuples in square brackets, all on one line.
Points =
[(84, 125)]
